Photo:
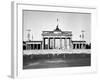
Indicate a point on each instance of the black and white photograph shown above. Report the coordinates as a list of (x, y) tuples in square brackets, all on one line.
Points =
[(54, 39)]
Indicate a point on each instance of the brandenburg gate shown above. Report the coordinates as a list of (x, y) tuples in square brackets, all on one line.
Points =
[(57, 39)]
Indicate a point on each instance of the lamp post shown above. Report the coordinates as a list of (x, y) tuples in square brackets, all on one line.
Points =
[(28, 35), (83, 34)]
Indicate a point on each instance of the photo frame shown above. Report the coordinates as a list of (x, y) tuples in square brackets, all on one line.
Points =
[(18, 18)]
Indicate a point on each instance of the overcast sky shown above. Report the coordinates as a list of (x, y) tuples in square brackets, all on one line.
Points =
[(39, 21)]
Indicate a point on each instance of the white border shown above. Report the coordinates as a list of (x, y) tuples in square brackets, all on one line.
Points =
[(17, 68)]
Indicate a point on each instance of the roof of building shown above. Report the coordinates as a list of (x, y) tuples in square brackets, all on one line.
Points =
[(31, 41), (78, 41), (57, 32)]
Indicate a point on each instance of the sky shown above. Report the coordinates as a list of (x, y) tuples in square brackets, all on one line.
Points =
[(38, 21)]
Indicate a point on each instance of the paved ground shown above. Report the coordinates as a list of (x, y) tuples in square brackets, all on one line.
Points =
[(57, 51), (57, 61)]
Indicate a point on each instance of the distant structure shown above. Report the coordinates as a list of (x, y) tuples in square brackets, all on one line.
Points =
[(56, 39)]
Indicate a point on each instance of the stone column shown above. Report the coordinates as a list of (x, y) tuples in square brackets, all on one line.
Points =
[(60, 43), (85, 46), (69, 43), (54, 43), (65, 43), (79, 46), (41, 46), (48, 42), (82, 46), (68, 46), (75, 46)]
